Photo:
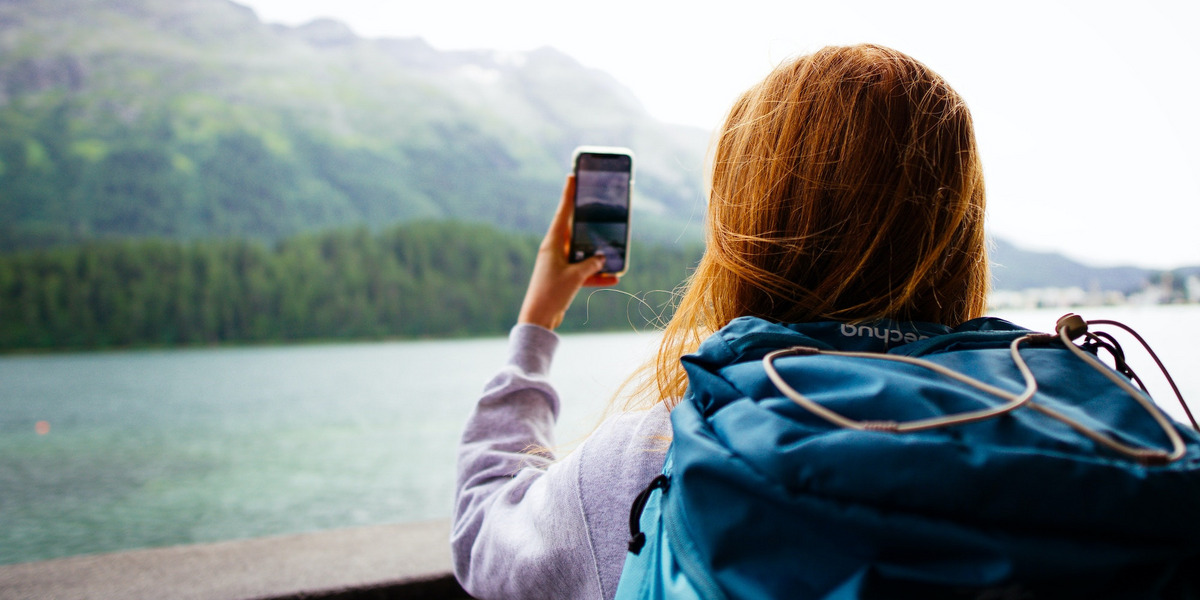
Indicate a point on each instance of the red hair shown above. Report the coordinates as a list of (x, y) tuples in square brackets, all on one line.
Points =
[(845, 186)]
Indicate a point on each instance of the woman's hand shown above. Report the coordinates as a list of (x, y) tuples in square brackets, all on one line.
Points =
[(555, 281)]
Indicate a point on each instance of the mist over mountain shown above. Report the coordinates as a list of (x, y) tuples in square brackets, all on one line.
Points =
[(192, 119)]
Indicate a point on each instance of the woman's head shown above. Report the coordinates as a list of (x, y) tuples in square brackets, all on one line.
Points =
[(845, 186)]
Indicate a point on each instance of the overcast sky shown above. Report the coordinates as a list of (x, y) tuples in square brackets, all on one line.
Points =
[(1085, 111)]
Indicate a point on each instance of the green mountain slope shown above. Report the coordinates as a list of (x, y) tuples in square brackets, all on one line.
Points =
[(193, 119)]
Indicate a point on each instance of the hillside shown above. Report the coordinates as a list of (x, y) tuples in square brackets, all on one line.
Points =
[(1014, 268), (193, 119)]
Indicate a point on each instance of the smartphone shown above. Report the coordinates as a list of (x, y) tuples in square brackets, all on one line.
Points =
[(603, 189)]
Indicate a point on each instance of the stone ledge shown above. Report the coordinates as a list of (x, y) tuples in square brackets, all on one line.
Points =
[(409, 560)]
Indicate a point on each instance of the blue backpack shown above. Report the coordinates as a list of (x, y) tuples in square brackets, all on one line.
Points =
[(894, 460)]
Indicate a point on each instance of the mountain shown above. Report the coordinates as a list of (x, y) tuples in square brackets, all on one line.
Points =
[(1014, 268), (193, 119)]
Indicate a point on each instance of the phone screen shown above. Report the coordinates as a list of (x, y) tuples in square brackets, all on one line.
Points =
[(602, 191)]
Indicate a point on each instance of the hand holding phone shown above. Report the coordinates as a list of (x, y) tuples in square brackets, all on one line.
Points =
[(555, 281), (603, 190)]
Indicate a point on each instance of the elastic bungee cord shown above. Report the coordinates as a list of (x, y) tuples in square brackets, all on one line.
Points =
[(1068, 328), (1129, 371)]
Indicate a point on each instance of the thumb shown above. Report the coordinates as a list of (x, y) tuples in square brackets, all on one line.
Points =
[(595, 278), (590, 267)]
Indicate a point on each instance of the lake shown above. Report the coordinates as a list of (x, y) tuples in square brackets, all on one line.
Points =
[(118, 450)]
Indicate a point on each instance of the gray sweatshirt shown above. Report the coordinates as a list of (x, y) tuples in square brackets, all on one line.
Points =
[(537, 526)]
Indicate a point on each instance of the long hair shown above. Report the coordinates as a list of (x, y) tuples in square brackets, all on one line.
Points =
[(845, 186)]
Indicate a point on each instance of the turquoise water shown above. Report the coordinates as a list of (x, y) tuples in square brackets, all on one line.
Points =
[(161, 448)]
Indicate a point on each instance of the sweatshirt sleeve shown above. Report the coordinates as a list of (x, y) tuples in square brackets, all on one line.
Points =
[(519, 530)]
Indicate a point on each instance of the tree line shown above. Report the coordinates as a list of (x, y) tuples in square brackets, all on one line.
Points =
[(423, 279)]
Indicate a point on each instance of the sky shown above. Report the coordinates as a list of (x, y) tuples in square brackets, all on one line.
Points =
[(1085, 112)]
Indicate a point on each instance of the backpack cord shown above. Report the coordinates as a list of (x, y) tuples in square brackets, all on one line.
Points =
[(637, 538), (1067, 329), (1097, 340), (1161, 367), (1014, 400)]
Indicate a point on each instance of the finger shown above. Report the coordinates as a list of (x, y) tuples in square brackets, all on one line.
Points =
[(605, 280), (595, 278), (560, 227), (584, 270)]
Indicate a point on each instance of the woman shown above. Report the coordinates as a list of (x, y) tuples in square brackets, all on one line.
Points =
[(846, 186)]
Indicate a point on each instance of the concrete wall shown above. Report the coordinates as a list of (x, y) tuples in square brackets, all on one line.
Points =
[(389, 561)]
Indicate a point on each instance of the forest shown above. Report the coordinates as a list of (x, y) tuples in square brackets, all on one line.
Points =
[(419, 279)]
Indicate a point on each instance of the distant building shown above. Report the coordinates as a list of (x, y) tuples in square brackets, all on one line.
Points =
[(1065, 297)]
